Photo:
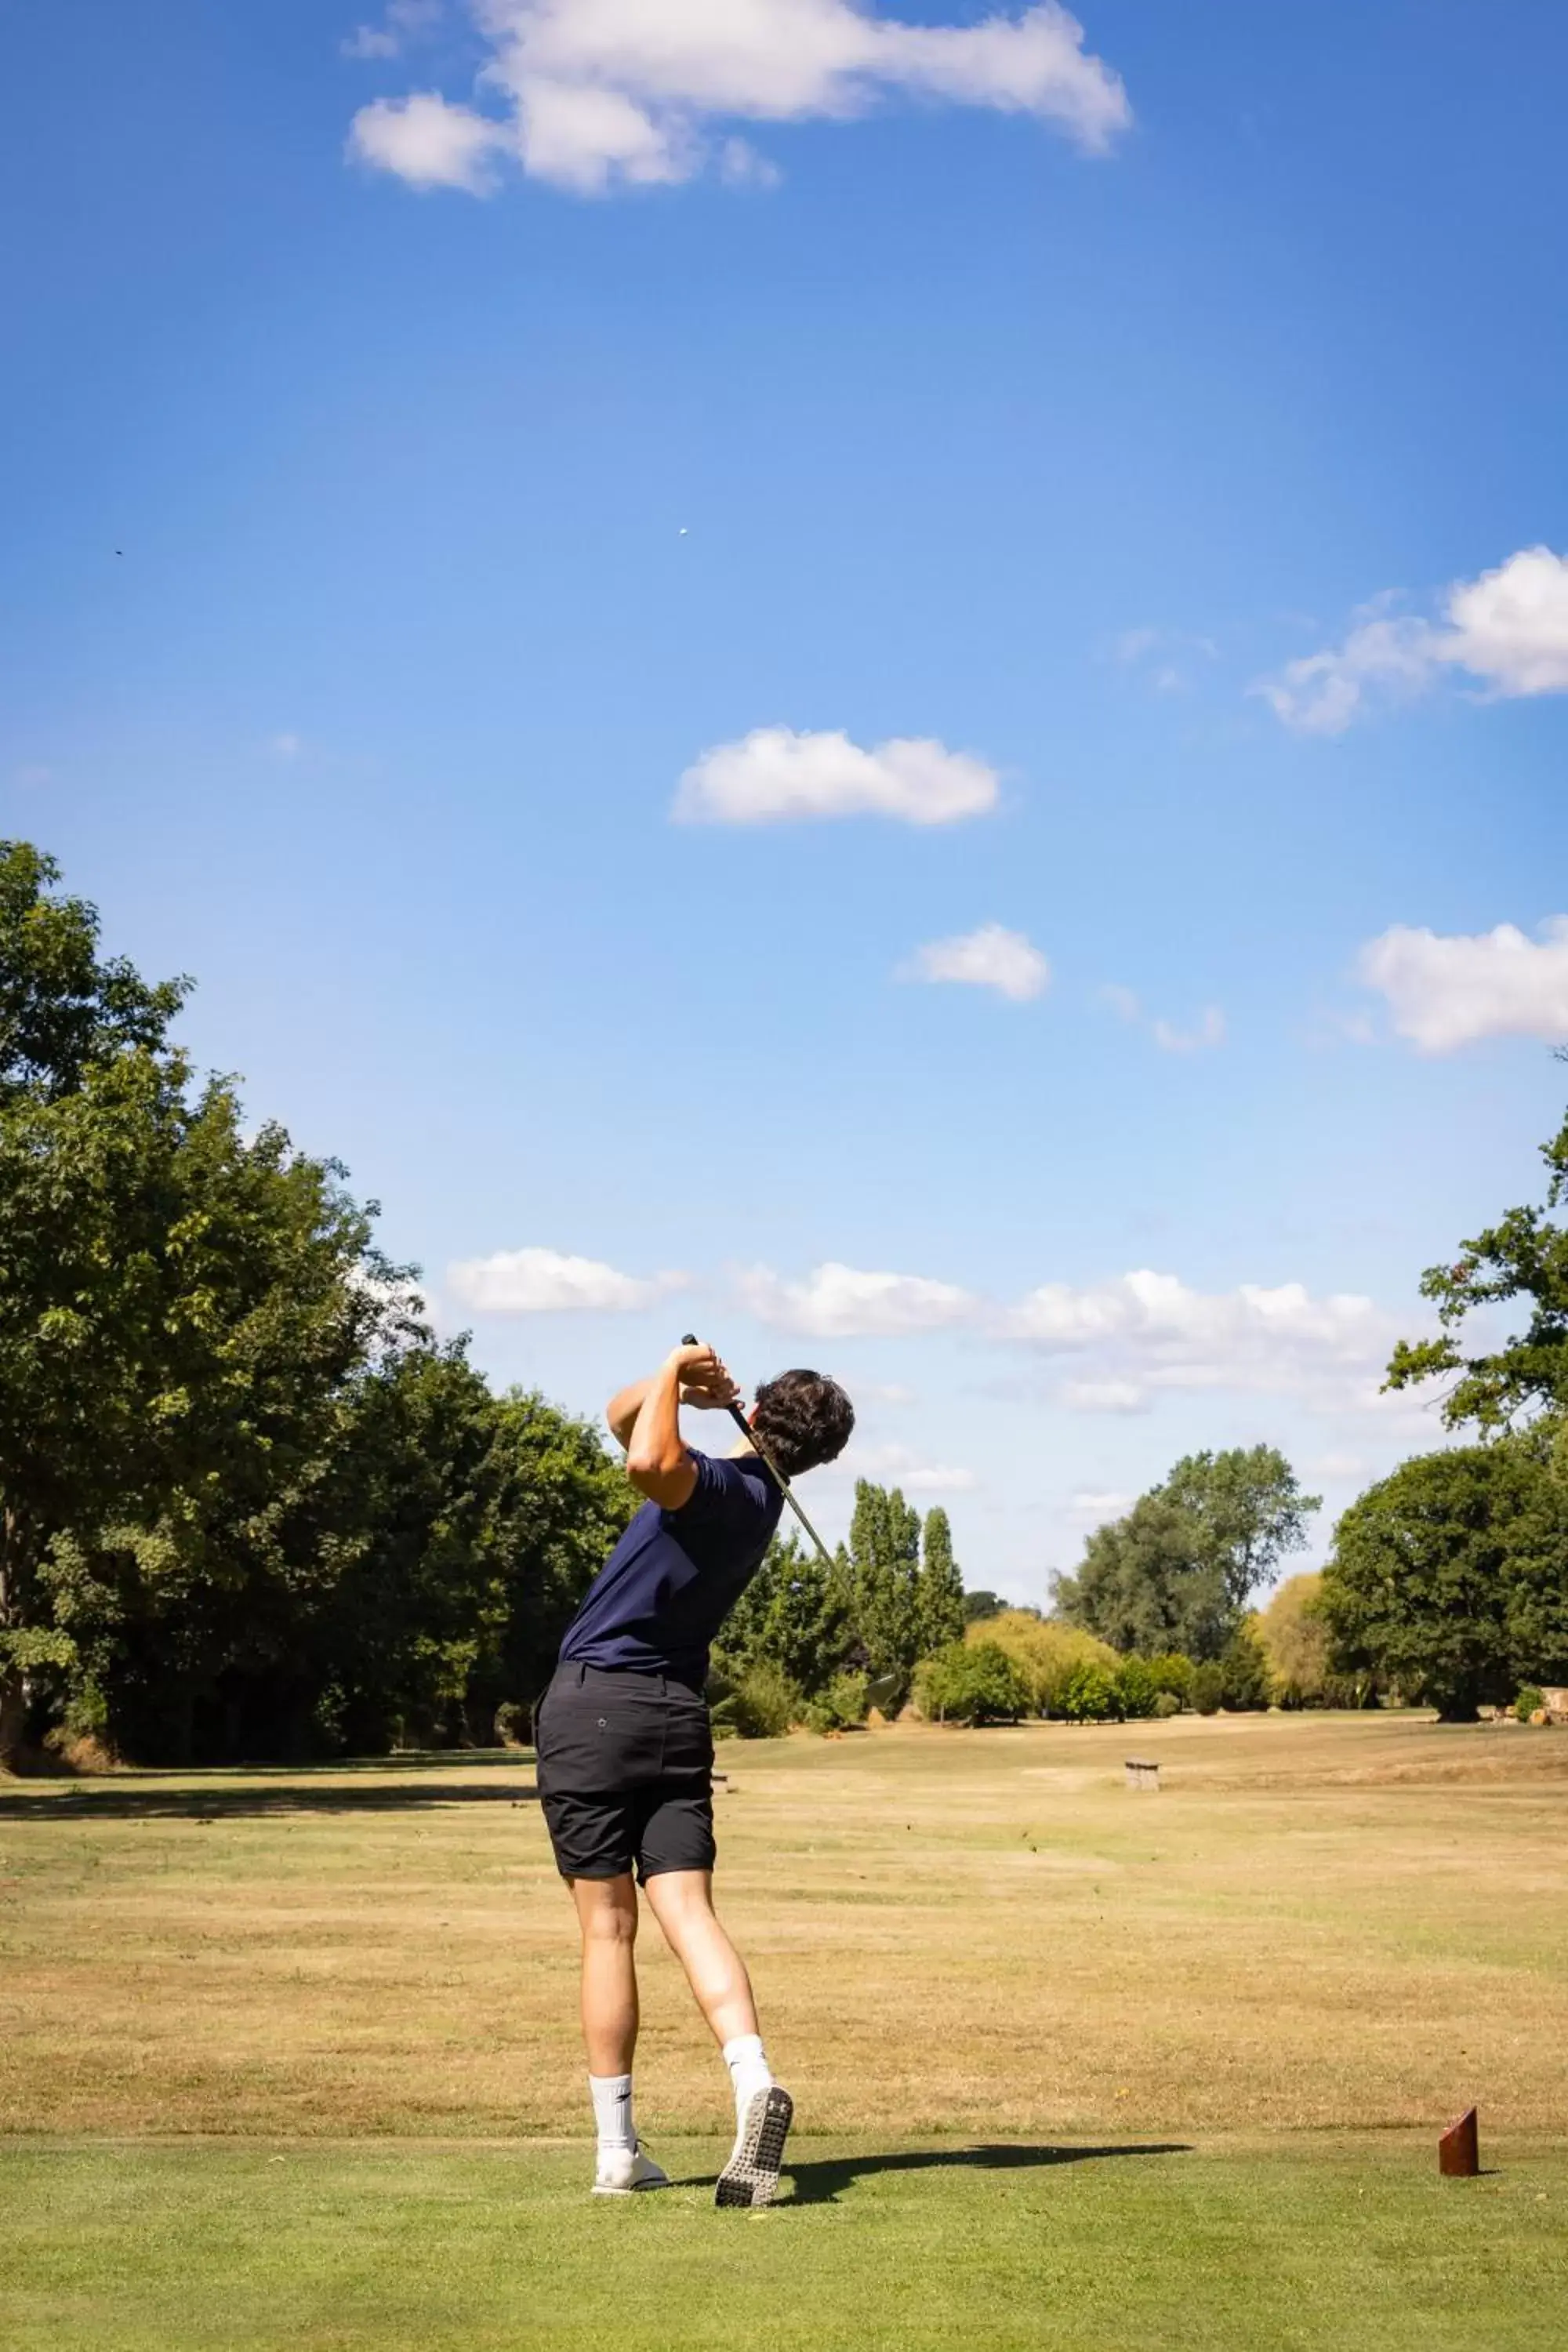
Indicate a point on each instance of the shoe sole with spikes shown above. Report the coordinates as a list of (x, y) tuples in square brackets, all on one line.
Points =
[(752, 2176)]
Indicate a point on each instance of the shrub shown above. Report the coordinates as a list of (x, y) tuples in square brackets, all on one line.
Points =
[(1137, 1692), (842, 1706), (1167, 1703), (511, 1725), (1045, 1653), (1173, 1674), (1089, 1695), (970, 1682), (1530, 1702), (1246, 1683), (1208, 1686), (762, 1704)]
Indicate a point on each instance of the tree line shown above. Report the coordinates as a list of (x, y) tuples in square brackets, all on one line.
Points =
[(1447, 1582), (250, 1507)]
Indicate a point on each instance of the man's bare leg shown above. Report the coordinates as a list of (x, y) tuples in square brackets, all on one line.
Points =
[(607, 1914), (682, 1903)]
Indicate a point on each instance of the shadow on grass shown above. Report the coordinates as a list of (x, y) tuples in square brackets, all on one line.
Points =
[(114, 1801), (821, 2180)]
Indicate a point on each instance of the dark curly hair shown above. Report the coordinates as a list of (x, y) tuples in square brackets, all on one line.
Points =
[(803, 1419)]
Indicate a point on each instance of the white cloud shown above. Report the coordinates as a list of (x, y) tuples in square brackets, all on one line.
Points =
[(1128, 1340), (897, 1465), (989, 957), (1507, 630), (1098, 1505), (838, 1302), (1446, 992), (1510, 627), (741, 166), (775, 776), (1145, 1333), (428, 143), (609, 92), (1104, 1396), (405, 21), (544, 1282), (1339, 1469), (1160, 655), (1208, 1032)]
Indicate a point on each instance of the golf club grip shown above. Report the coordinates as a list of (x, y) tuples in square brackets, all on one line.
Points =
[(690, 1339)]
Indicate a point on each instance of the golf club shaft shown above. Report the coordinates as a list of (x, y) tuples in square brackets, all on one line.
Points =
[(691, 1340)]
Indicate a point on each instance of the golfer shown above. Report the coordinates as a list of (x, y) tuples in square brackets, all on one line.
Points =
[(625, 1747)]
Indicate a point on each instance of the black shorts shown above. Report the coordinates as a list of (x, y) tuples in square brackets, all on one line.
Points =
[(626, 1773)]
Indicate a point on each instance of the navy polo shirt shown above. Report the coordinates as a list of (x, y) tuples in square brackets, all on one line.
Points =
[(674, 1577)]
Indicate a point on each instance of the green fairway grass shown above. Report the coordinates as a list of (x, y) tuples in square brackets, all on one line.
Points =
[(206, 2249), (290, 2057)]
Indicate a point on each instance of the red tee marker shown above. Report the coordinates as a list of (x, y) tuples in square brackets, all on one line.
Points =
[(1458, 2150)]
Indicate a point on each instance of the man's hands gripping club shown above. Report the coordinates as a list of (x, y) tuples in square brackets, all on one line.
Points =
[(645, 1418)]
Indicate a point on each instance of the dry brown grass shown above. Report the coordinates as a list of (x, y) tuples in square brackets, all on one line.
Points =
[(1346, 1922)]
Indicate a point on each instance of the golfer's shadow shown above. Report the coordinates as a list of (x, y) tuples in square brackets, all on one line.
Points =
[(821, 2180)]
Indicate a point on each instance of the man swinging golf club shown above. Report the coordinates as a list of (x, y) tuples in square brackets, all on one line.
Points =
[(625, 1747)]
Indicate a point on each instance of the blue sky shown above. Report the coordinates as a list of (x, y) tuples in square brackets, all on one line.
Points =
[(1156, 422)]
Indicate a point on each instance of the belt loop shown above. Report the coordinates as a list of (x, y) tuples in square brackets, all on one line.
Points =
[(581, 1676)]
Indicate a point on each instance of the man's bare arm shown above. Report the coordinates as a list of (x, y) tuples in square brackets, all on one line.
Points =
[(645, 1418), (622, 1411)]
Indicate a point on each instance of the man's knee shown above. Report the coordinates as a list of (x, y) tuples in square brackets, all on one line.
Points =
[(610, 1917), (681, 1895)]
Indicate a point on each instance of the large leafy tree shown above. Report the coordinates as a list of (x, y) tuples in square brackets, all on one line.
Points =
[(1524, 1257), (1249, 1508), (1472, 1545), (1447, 1578), (558, 1504), (179, 1305), (1177, 1571), (1147, 1583)]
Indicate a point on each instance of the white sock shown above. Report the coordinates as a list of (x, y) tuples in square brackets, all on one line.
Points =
[(748, 2069), (612, 2096)]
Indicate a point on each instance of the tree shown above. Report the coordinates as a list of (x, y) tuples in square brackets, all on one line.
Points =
[(1137, 1689), (1044, 1652), (1248, 1685), (794, 1614), (559, 1504), (1296, 1638), (220, 1355), (1249, 1508), (978, 1606), (884, 1551), (1088, 1693), (1148, 1582), (973, 1683), (938, 1588), (1177, 1571), (1450, 1578), (181, 1302), (64, 1011), (1523, 1256)]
